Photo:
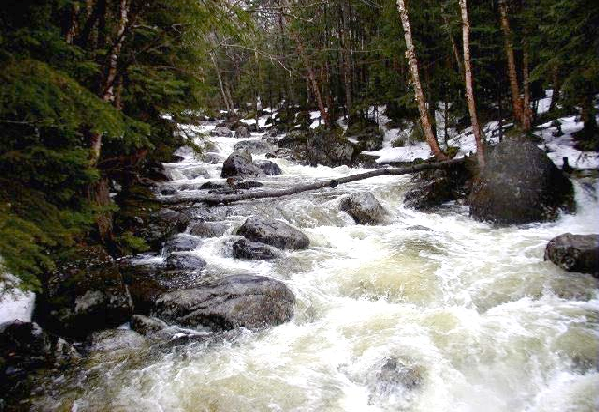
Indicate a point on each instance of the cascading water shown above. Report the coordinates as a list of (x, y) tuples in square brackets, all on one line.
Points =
[(431, 312)]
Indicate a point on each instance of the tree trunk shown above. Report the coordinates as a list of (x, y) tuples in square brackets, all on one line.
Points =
[(215, 199), (347, 58), (469, 88), (556, 89), (220, 83), (73, 24), (517, 104), (413, 63), (107, 89), (527, 112)]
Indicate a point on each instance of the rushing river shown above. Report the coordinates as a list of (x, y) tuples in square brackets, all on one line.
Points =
[(430, 312)]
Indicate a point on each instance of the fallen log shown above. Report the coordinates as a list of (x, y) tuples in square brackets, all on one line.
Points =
[(215, 199)]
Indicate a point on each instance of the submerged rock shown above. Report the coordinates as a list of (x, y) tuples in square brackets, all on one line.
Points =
[(240, 164), (394, 379), (253, 302), (364, 208), (273, 232), (520, 184), (83, 296), (575, 253), (244, 249), (147, 325), (115, 340)]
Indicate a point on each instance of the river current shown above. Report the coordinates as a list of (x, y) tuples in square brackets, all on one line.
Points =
[(430, 312)]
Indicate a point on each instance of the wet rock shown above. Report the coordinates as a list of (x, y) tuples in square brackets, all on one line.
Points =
[(194, 172), (191, 186), (202, 228), (184, 261), (242, 132), (211, 158), (369, 136), (85, 295), (25, 349), (520, 184), (269, 168), (364, 208), (253, 302), (182, 243), (147, 325), (418, 227), (432, 188), (212, 185), (244, 249), (161, 226), (167, 191), (273, 232), (112, 340), (575, 253), (394, 379), (221, 132), (248, 184), (254, 146), (240, 164), (328, 149)]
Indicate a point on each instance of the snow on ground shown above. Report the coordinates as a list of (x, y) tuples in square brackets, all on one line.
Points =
[(14, 303), (562, 146)]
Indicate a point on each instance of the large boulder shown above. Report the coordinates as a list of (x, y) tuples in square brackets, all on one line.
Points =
[(253, 302), (25, 349), (242, 132), (221, 132), (269, 168), (432, 188), (575, 253), (240, 164), (202, 228), (182, 243), (185, 261), (273, 232), (328, 149), (85, 295), (364, 208), (254, 146), (323, 147), (160, 226), (244, 249), (520, 184)]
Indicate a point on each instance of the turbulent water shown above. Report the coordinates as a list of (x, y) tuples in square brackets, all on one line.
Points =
[(431, 312)]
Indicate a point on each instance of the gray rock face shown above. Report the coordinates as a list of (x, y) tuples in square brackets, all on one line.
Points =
[(194, 172), (575, 253), (182, 243), (269, 168), (146, 325), (253, 302), (329, 150), (84, 296), (273, 232), (244, 249), (254, 146), (364, 208), (242, 132), (201, 228), (185, 261), (432, 188), (116, 339), (240, 164), (221, 132), (520, 184)]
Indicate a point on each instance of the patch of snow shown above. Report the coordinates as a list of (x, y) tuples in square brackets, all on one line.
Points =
[(545, 102), (14, 303), (401, 154), (562, 146)]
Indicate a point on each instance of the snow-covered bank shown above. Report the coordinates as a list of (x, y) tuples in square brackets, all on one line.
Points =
[(14, 303)]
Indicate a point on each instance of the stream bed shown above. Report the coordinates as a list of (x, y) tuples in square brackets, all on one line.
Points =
[(429, 312)]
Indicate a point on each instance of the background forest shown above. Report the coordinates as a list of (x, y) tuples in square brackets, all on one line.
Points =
[(85, 87)]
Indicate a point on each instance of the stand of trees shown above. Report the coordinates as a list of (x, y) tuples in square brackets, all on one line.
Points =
[(85, 84)]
